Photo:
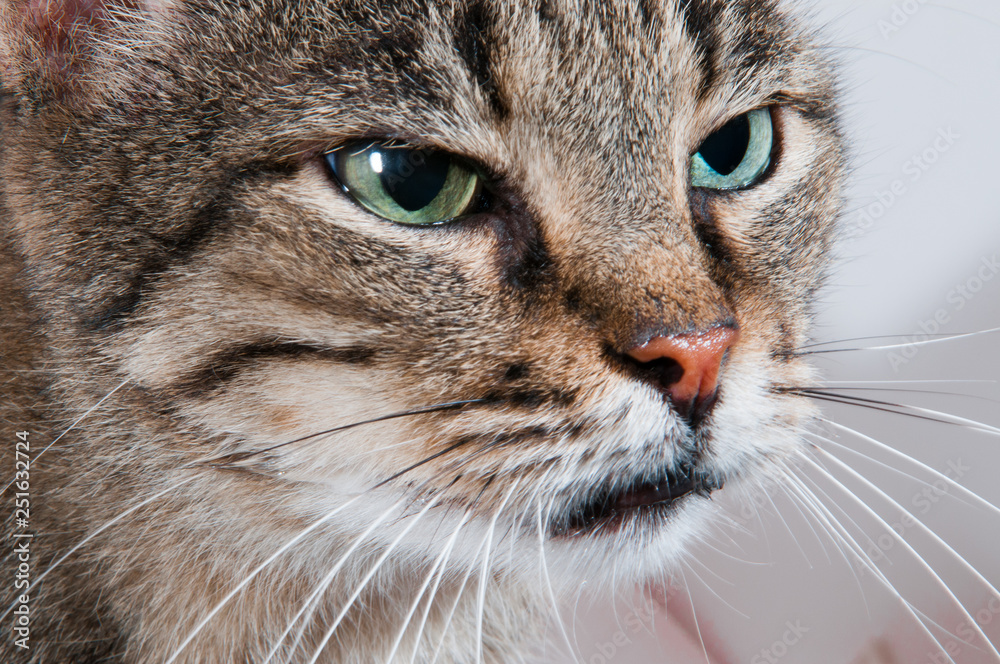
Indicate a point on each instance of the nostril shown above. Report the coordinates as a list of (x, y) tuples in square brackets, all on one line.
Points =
[(685, 367), (662, 372)]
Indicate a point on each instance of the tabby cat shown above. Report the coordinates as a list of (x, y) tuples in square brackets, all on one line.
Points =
[(364, 330)]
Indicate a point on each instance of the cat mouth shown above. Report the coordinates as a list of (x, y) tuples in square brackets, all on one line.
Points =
[(609, 509)]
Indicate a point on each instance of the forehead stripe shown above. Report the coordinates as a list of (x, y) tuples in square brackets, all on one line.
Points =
[(475, 38)]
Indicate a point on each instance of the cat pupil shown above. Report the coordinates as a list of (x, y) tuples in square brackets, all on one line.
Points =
[(724, 150), (413, 178)]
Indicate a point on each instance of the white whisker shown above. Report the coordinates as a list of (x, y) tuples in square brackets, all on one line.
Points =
[(712, 572), (73, 425), (976, 498), (944, 586), (926, 342), (694, 615), (946, 381), (788, 528), (806, 519), (431, 575), (576, 609), (823, 512), (711, 589), (368, 577), (921, 618), (449, 546), (311, 602), (929, 531), (454, 606), (819, 440), (254, 573), (544, 568), (481, 594), (94, 534), (808, 498), (902, 409)]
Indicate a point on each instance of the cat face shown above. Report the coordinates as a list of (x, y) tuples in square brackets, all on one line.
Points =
[(199, 244), (190, 239)]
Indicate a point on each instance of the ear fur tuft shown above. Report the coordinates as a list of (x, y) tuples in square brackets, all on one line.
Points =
[(49, 48)]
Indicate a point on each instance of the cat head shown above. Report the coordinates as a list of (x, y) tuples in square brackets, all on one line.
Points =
[(576, 243)]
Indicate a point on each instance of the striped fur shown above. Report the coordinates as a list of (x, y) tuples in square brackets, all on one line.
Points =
[(170, 236)]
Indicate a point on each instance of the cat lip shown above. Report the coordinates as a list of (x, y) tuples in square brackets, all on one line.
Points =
[(608, 510)]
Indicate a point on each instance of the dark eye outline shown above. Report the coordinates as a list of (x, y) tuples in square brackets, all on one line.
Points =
[(762, 142), (480, 200)]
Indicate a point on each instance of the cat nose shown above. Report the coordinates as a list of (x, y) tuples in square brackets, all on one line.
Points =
[(686, 367)]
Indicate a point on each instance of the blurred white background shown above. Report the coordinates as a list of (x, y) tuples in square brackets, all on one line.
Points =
[(922, 102)]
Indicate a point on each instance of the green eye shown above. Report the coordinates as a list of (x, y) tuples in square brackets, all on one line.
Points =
[(405, 184), (736, 155)]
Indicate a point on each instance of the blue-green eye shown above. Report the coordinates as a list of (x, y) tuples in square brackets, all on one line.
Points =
[(736, 155), (405, 184)]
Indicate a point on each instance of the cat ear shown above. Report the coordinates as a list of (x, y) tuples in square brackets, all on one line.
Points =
[(58, 49)]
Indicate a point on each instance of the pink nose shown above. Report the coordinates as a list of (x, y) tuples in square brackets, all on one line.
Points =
[(688, 367)]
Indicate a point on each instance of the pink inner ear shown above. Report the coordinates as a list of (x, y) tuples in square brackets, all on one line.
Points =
[(59, 25), (61, 30), (55, 24)]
